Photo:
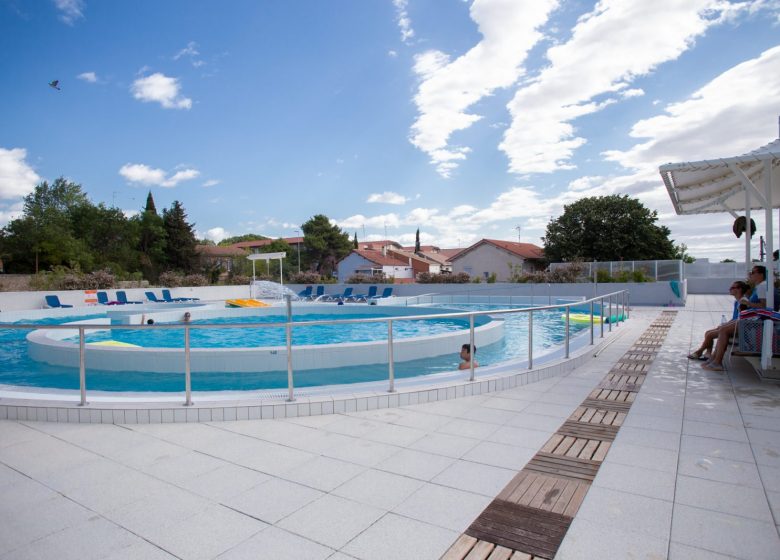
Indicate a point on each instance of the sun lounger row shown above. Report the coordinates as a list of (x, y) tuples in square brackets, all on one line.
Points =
[(347, 295), (53, 301)]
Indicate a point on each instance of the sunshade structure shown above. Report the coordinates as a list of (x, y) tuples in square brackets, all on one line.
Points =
[(734, 185)]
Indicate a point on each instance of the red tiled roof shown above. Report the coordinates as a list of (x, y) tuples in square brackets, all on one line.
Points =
[(220, 251), (377, 257), (524, 250), (423, 249), (449, 253), (264, 242)]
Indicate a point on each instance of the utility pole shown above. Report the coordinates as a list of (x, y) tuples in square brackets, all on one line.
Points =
[(518, 233)]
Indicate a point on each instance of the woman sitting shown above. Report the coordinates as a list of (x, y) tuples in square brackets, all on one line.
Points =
[(738, 290)]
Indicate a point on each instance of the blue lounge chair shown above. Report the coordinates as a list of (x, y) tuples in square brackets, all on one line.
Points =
[(54, 301), (166, 294), (121, 297), (153, 298), (340, 297), (305, 294), (387, 292), (102, 298), (365, 297), (318, 293)]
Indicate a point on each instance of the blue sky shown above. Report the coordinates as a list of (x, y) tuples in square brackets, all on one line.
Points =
[(465, 119)]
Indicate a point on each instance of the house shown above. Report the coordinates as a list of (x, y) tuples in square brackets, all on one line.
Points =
[(439, 262), (493, 256), (216, 256), (256, 245), (370, 262)]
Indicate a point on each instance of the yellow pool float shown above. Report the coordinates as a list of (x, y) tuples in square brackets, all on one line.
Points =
[(114, 343), (245, 303), (585, 318)]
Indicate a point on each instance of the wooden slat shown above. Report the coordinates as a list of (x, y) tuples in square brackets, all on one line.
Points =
[(619, 407), (480, 551), (460, 548), (520, 528), (500, 553), (563, 467), (601, 451), (589, 431), (552, 443)]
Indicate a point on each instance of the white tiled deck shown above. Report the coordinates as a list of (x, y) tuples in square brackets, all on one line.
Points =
[(694, 473)]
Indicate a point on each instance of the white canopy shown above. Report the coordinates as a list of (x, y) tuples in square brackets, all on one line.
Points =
[(734, 184)]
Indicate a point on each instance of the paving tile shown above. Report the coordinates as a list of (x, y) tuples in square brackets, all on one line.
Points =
[(273, 500), (761, 422), (720, 470), (102, 537), (723, 497), (150, 513), (522, 437), (636, 480), (474, 477), (379, 489), (415, 464), (399, 538), (331, 520), (770, 477), (501, 402), (271, 458), (468, 428), (587, 539), (444, 444), (277, 544), (679, 551), (354, 426), (646, 457), (717, 431), (140, 550), (444, 507), (488, 414), (646, 421), (740, 537), (500, 455), (206, 534), (401, 436), (362, 452), (623, 511), (720, 448), (421, 420), (224, 481), (541, 422), (649, 438), (557, 410), (765, 445), (324, 473)]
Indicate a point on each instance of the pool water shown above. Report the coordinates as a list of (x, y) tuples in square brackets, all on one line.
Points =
[(16, 368), (263, 336)]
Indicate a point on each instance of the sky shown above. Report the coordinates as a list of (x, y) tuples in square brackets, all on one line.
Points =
[(465, 119)]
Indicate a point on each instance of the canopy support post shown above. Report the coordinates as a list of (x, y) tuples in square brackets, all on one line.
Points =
[(748, 231), (766, 350)]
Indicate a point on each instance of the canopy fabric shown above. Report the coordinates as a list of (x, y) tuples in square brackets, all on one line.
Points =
[(719, 185)]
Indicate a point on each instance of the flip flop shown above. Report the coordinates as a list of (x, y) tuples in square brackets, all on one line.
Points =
[(694, 356)]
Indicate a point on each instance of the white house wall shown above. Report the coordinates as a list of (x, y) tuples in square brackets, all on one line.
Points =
[(487, 259)]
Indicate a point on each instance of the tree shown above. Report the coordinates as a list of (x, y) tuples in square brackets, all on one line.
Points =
[(355, 242), (681, 253), (108, 236), (325, 244), (43, 237), (180, 239), (240, 238), (151, 240), (417, 241), (607, 228)]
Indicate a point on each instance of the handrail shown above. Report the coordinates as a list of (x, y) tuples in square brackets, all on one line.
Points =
[(621, 297)]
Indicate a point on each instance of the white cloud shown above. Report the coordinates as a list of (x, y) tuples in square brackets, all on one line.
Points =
[(212, 183), (179, 176), (11, 212), (90, 77), (130, 213), (640, 36), (161, 89), (70, 10), (448, 88), (404, 21), (633, 92), (191, 52), (392, 54), (217, 234), (141, 173), (387, 197), (585, 183), (17, 178), (359, 220)]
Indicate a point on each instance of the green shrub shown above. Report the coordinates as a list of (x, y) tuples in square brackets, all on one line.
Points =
[(365, 279)]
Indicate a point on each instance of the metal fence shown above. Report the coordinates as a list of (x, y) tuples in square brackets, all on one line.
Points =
[(661, 270), (598, 306)]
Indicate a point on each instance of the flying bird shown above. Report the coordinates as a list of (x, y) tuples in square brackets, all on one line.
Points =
[(55, 84)]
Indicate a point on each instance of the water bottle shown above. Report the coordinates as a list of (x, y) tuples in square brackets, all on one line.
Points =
[(722, 319)]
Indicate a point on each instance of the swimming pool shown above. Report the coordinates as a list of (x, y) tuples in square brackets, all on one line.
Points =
[(19, 369)]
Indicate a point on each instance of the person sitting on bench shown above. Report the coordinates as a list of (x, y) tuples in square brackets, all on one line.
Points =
[(738, 290)]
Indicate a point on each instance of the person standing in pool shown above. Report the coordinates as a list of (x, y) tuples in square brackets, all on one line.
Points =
[(465, 355)]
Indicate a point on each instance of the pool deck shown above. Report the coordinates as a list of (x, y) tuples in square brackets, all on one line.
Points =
[(693, 472)]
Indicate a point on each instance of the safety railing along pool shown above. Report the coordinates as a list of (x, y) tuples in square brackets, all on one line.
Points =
[(598, 307)]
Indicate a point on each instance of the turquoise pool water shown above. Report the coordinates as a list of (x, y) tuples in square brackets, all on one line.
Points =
[(16, 368)]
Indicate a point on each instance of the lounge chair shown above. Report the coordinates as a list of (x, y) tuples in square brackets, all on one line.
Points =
[(318, 293), (387, 292), (339, 297), (305, 294), (153, 298), (102, 298), (54, 301), (121, 297), (166, 294), (365, 297)]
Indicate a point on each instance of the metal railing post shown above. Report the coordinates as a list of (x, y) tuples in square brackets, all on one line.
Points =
[(591, 323), (566, 343), (471, 347), (390, 364), (601, 314), (610, 313), (628, 303), (530, 340), (187, 368), (82, 368), (290, 384)]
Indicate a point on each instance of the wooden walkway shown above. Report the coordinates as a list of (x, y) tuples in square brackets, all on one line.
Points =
[(530, 517)]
